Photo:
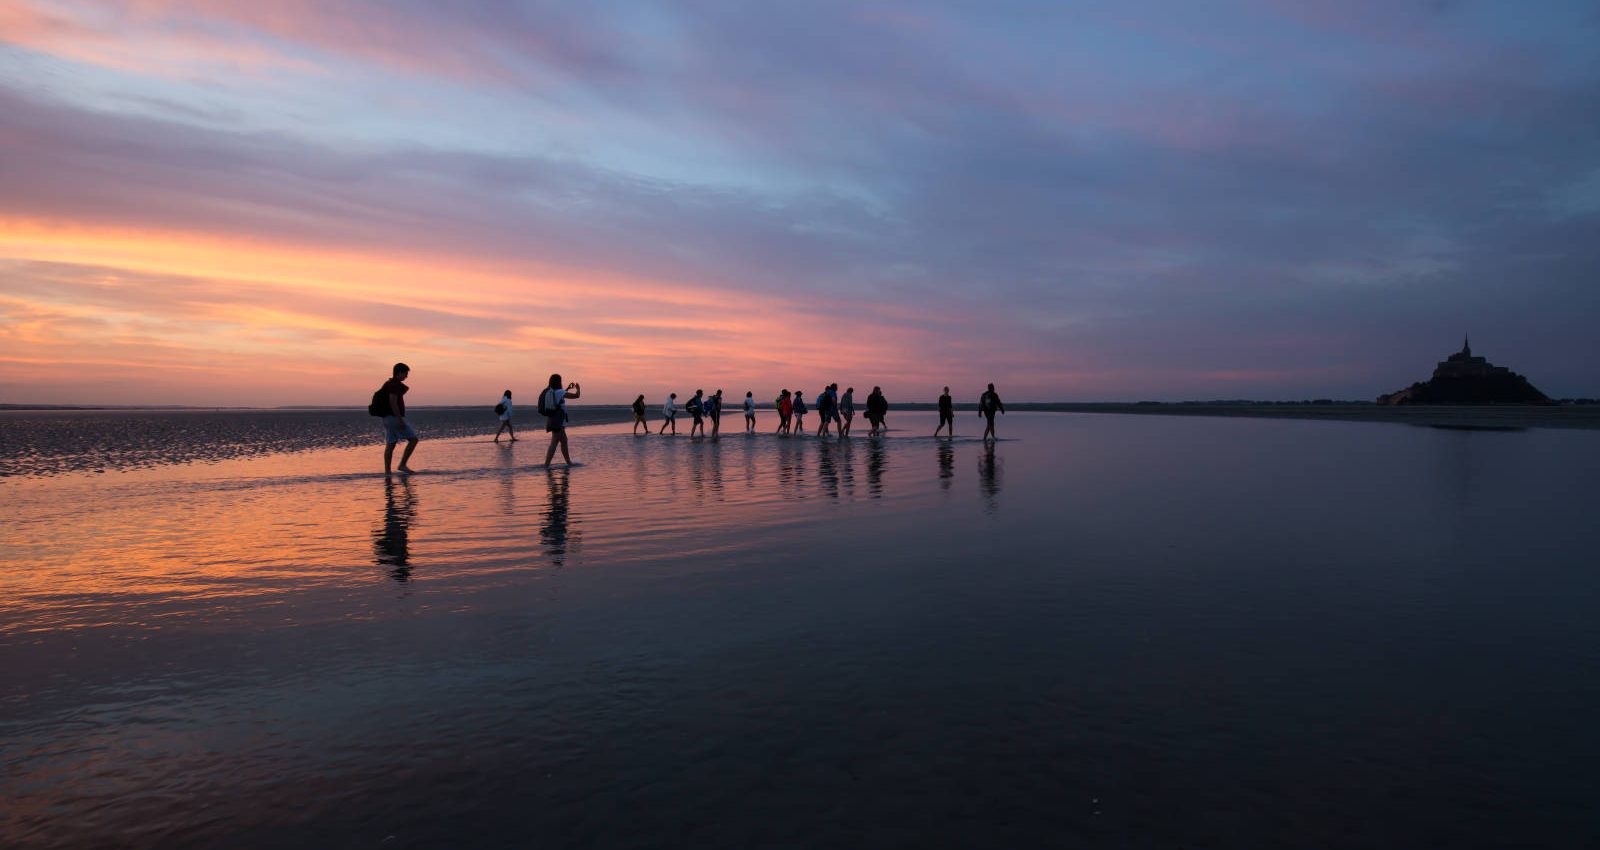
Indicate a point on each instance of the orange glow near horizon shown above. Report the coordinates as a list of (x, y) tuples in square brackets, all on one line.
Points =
[(153, 317)]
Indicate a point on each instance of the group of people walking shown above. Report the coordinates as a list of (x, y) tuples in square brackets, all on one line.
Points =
[(835, 412)]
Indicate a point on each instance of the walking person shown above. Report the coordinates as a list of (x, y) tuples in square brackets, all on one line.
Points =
[(947, 413), (785, 411), (638, 416), (553, 406), (749, 412), (669, 414), (847, 409), (877, 410), (799, 413), (390, 403), (833, 405), (503, 410), (715, 410), (824, 411), (988, 404), (697, 410)]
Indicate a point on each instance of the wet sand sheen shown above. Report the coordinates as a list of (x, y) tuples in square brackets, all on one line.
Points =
[(1185, 631)]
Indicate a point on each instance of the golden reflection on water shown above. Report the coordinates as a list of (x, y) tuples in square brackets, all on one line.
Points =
[(247, 541)]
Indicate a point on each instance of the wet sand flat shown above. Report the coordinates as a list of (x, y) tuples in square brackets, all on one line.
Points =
[(1104, 630)]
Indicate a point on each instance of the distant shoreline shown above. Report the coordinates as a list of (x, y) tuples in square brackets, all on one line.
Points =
[(1572, 416)]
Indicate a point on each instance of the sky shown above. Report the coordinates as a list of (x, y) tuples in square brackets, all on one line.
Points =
[(235, 202)]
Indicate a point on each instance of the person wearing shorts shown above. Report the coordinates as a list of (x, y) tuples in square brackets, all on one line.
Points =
[(697, 411), (799, 412), (638, 416), (554, 403), (395, 426), (847, 409), (749, 411)]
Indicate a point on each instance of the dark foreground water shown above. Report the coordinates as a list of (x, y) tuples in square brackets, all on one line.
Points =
[(1103, 631)]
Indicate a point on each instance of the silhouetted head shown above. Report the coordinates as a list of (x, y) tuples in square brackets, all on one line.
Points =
[(877, 389), (672, 395), (508, 393), (640, 398), (401, 370), (946, 390), (719, 393), (849, 390), (555, 382), (749, 393), (991, 388), (699, 392)]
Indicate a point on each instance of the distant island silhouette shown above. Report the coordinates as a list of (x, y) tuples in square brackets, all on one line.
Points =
[(1463, 378)]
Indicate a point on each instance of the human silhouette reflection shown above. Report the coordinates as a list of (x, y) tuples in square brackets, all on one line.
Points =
[(827, 470), (947, 465), (391, 540), (877, 459), (508, 479), (991, 474), (555, 533)]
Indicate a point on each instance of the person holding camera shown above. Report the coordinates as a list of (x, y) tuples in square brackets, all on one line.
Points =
[(553, 407)]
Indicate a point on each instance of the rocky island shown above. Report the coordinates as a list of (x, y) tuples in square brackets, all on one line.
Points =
[(1462, 378)]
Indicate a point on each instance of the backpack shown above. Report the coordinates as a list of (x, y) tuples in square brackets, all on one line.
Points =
[(500, 409), (380, 403), (544, 409)]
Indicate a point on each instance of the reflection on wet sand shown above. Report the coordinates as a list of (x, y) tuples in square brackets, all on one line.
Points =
[(827, 471), (555, 533), (947, 465), (877, 460), (391, 540), (991, 474)]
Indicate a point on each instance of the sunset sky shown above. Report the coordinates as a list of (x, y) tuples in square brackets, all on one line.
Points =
[(267, 202)]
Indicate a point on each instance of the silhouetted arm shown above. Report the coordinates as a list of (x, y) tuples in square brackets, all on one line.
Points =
[(394, 407)]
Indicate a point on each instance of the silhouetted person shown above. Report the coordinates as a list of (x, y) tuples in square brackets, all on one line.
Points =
[(669, 413), (847, 409), (825, 411), (391, 540), (638, 416), (697, 411), (395, 427), (989, 404), (553, 404), (799, 413), (749, 412), (785, 407), (947, 413), (714, 410), (877, 411), (503, 410)]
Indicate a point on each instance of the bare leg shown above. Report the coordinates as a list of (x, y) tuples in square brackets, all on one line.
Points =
[(411, 446), (388, 457)]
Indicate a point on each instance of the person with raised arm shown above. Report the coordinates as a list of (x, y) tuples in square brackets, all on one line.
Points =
[(553, 406)]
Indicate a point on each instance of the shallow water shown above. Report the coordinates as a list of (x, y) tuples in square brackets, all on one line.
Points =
[(1115, 631)]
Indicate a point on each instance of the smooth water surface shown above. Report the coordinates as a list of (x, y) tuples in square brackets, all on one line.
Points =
[(1102, 630)]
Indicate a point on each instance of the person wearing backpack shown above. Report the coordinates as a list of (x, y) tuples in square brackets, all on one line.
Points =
[(389, 402), (714, 410), (877, 410), (553, 407), (697, 411), (824, 411), (503, 410), (638, 416), (800, 413), (785, 411)]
